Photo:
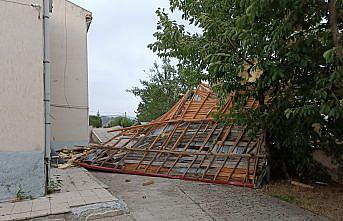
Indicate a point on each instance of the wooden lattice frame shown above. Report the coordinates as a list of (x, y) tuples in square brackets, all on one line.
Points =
[(185, 143)]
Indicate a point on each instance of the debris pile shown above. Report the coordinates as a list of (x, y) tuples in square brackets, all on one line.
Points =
[(185, 143), (66, 158)]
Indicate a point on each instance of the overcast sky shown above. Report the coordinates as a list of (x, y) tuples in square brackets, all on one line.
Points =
[(117, 51)]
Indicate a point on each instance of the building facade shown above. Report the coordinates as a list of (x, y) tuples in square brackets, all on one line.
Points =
[(69, 74), (22, 134)]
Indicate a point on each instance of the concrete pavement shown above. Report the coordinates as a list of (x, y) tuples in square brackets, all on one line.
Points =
[(167, 199), (120, 197), (81, 195)]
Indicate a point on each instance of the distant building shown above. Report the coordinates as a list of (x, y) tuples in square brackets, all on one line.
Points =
[(22, 134)]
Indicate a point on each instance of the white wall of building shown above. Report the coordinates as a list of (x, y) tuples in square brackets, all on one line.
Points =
[(69, 70), (22, 89), (21, 77), (21, 98)]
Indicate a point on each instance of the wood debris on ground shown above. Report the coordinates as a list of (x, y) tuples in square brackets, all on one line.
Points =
[(67, 157), (186, 143), (147, 183), (303, 185)]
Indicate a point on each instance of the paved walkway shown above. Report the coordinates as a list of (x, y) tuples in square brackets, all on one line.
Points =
[(79, 190), (152, 199), (84, 197)]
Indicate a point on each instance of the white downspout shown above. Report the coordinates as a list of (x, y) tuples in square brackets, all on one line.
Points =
[(47, 89)]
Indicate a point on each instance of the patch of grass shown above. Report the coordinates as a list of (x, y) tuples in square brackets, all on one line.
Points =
[(55, 184), (20, 196), (287, 198)]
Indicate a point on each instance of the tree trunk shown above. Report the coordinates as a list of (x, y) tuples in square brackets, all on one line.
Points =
[(334, 27)]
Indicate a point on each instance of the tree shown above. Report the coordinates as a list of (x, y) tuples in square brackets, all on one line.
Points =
[(120, 121), (161, 91), (285, 52), (95, 121)]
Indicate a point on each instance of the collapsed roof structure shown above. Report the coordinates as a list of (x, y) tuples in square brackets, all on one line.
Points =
[(186, 143)]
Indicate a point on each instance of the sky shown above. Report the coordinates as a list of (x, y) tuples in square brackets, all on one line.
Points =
[(117, 51)]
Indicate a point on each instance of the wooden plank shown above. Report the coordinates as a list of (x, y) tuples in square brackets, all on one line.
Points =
[(238, 139), (166, 143), (186, 147), (195, 147), (154, 142), (176, 143), (227, 132)]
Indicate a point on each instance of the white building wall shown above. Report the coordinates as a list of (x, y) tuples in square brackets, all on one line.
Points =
[(21, 77), (69, 70), (21, 98), (22, 89)]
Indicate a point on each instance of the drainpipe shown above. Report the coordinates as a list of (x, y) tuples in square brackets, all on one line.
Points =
[(47, 89)]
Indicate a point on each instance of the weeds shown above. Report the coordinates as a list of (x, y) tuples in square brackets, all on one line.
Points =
[(55, 184), (21, 194), (287, 198)]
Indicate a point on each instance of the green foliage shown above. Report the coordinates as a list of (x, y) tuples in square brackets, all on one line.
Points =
[(286, 198), (21, 194), (291, 43), (163, 89), (95, 121), (55, 184), (120, 121)]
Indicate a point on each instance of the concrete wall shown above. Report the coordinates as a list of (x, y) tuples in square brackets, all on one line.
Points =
[(21, 90), (69, 75), (334, 170), (21, 171), (21, 99)]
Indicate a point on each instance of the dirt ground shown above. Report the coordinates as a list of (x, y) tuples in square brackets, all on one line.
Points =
[(323, 200)]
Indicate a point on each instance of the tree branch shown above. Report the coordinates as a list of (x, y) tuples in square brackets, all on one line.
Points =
[(333, 23), (239, 54)]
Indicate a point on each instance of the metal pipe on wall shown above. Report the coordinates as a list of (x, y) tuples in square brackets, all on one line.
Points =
[(47, 89)]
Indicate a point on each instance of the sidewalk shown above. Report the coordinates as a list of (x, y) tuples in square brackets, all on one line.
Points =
[(80, 194)]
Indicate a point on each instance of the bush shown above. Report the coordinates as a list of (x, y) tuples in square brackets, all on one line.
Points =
[(120, 121), (95, 121)]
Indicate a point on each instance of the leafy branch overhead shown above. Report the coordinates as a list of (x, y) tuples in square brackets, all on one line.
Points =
[(287, 50), (162, 90)]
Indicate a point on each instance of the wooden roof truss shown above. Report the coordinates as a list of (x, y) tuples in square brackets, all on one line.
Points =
[(186, 143)]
